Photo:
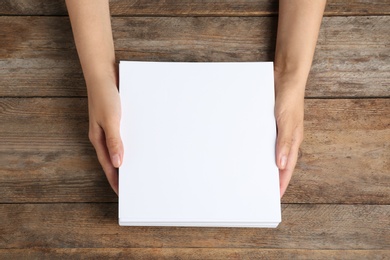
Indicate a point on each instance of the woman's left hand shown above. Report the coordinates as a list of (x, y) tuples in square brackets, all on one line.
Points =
[(289, 111)]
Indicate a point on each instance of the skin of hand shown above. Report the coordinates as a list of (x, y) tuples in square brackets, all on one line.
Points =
[(289, 111), (92, 32), (298, 26), (104, 133)]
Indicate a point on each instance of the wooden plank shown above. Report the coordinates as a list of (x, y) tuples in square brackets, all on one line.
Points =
[(39, 61), (94, 225), (45, 155), (346, 147), (190, 253), (46, 144), (38, 57), (194, 8)]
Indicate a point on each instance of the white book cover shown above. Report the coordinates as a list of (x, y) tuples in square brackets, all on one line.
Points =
[(199, 141)]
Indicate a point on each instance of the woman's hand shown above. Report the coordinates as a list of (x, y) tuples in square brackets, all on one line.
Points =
[(104, 127), (298, 26), (289, 111), (92, 32)]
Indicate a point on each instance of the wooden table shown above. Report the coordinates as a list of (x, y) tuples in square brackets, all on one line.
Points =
[(56, 202)]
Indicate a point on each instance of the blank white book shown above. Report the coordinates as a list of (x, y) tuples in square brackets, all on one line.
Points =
[(199, 141)]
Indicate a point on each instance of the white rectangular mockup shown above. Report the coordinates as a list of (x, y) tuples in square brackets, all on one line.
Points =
[(199, 143)]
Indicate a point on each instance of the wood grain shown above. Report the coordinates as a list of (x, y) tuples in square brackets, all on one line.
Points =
[(342, 152), (45, 143), (193, 7), (190, 253), (56, 202), (38, 57), (45, 155), (81, 225)]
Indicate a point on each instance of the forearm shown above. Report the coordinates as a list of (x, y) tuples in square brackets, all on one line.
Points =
[(298, 27), (92, 32)]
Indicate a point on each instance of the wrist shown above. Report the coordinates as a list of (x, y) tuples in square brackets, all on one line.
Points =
[(290, 81), (101, 75)]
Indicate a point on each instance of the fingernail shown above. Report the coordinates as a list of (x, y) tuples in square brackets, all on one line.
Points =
[(283, 162), (116, 161)]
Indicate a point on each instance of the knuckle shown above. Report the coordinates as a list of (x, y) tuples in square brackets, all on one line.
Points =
[(93, 136), (100, 159), (285, 142), (112, 143), (298, 139)]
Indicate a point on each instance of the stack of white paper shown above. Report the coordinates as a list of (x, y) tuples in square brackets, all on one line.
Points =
[(199, 144)]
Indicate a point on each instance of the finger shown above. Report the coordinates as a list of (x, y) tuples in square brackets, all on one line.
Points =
[(286, 174), (98, 140), (114, 144), (283, 144)]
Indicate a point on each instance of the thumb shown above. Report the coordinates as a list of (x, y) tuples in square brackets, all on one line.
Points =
[(283, 146), (114, 145)]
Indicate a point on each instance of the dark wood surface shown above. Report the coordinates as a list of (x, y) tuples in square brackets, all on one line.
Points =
[(191, 253), (194, 7), (56, 202), (344, 158), (94, 225), (38, 57)]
